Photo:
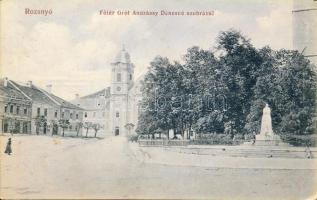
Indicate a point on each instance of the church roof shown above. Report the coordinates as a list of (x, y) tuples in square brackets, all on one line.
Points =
[(104, 92), (122, 57)]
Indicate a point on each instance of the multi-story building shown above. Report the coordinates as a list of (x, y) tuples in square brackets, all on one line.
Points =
[(95, 108), (15, 109), (116, 106), (46, 112)]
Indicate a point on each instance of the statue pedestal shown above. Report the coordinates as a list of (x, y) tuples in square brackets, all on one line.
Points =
[(269, 140)]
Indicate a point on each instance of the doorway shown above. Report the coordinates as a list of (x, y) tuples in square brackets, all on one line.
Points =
[(5, 127), (44, 128), (25, 128), (117, 131)]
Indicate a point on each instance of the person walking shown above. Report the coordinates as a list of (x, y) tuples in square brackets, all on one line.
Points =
[(8, 147)]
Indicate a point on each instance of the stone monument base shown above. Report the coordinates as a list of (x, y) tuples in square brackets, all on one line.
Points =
[(269, 140)]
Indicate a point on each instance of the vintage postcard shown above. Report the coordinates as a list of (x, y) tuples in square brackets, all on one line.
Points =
[(158, 99)]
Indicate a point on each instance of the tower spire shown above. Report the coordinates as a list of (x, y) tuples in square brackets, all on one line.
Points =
[(123, 47)]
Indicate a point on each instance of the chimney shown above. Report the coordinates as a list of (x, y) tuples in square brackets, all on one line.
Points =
[(49, 88), (29, 83), (5, 83)]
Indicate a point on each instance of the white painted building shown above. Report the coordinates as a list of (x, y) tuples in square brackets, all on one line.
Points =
[(115, 108)]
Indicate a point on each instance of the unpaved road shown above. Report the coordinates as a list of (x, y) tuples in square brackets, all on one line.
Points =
[(45, 167)]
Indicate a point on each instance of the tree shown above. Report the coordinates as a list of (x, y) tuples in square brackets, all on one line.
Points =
[(202, 80), (63, 123), (226, 93), (40, 120), (240, 63), (288, 84), (54, 126), (154, 110), (87, 126), (96, 128), (129, 127), (79, 126)]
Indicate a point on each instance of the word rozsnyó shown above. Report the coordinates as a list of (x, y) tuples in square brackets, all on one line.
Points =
[(38, 12)]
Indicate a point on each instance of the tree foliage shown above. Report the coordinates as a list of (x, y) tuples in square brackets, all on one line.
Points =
[(40, 120), (63, 123), (225, 91)]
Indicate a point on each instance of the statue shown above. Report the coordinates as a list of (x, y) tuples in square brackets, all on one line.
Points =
[(267, 136), (266, 123)]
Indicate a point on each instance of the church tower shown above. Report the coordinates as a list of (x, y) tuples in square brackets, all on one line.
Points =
[(121, 82)]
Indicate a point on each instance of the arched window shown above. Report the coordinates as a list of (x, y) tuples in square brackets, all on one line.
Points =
[(117, 114)]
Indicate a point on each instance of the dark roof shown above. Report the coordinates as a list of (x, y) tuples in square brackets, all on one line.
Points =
[(35, 94), (11, 92), (122, 57), (64, 103), (40, 96)]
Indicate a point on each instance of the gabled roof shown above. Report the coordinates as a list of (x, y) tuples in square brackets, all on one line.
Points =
[(41, 96), (94, 101), (35, 94), (11, 92), (64, 103)]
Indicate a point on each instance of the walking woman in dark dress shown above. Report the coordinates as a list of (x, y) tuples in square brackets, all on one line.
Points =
[(8, 147)]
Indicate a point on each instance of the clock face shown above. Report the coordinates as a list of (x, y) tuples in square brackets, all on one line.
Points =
[(118, 88)]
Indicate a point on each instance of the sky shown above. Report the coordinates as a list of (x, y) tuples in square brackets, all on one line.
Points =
[(73, 48)]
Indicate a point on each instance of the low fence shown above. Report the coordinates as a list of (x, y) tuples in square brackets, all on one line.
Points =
[(217, 142), (294, 140), (151, 142)]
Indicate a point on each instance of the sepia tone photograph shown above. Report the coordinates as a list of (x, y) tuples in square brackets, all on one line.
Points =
[(158, 99)]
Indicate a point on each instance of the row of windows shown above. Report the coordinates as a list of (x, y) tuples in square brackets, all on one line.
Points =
[(17, 110), (71, 116), (103, 114), (94, 114)]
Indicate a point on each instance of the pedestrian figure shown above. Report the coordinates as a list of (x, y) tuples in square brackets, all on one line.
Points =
[(308, 152), (253, 138), (8, 147)]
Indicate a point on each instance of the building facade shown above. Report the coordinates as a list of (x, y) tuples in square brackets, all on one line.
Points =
[(118, 103), (38, 110), (16, 109)]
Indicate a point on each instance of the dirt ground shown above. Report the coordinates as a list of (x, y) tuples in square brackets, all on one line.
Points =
[(46, 167)]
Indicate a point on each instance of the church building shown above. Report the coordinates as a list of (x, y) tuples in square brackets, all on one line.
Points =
[(115, 107)]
